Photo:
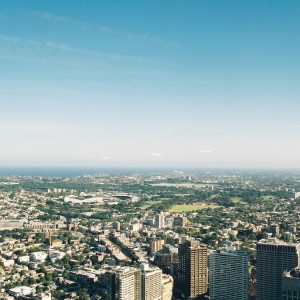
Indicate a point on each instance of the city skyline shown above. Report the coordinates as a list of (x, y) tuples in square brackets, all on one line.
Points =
[(150, 84)]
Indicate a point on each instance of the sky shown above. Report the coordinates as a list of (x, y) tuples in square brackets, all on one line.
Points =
[(199, 83)]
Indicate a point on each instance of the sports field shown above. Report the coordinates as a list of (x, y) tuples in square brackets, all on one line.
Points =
[(191, 207), (238, 200), (150, 203)]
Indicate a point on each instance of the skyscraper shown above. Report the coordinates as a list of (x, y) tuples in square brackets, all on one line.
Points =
[(151, 282), (167, 287), (125, 284), (160, 220), (228, 275), (291, 285), (273, 257), (192, 268)]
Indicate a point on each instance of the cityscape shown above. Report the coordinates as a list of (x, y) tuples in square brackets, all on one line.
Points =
[(149, 150), (167, 235)]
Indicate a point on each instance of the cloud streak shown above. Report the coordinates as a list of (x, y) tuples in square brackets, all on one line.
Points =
[(205, 151), (156, 154), (60, 19), (129, 35), (10, 38), (52, 17), (109, 55), (106, 157), (65, 47), (103, 28), (61, 47)]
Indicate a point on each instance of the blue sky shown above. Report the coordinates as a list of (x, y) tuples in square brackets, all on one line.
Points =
[(150, 83)]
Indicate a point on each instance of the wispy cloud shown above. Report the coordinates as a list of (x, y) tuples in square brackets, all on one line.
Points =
[(109, 55), (52, 17), (102, 29), (106, 157), (294, 126), (205, 151), (129, 35), (64, 47), (156, 154), (60, 19), (61, 46), (10, 38)]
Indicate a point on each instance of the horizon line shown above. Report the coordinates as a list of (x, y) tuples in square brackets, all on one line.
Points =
[(149, 167)]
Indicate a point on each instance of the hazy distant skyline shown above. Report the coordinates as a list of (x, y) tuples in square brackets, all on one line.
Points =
[(150, 83)]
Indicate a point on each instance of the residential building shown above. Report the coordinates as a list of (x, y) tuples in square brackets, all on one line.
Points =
[(156, 245), (180, 221), (167, 287), (160, 220), (151, 282), (11, 224), (83, 276), (21, 291), (116, 225), (125, 284), (192, 268)]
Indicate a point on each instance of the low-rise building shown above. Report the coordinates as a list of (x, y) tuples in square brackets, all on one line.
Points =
[(21, 291)]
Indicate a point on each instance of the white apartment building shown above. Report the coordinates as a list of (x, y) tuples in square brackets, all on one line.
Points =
[(151, 282)]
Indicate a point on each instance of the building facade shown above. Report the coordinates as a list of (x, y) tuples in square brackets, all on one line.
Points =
[(273, 257), (228, 275), (124, 283), (167, 287), (160, 220), (291, 285), (151, 282), (192, 275), (156, 245)]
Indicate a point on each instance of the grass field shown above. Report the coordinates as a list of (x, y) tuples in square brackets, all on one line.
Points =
[(237, 200), (150, 203), (191, 207)]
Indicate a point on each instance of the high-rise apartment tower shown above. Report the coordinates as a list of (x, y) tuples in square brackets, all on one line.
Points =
[(160, 220), (192, 268), (125, 284), (151, 282)]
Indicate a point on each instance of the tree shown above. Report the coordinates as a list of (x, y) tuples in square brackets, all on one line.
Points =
[(83, 295), (58, 294), (48, 277), (40, 237)]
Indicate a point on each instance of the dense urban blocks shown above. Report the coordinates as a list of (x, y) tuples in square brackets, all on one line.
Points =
[(120, 238)]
